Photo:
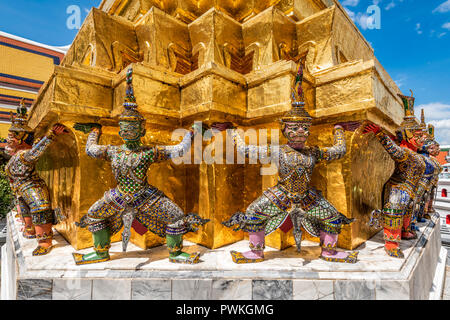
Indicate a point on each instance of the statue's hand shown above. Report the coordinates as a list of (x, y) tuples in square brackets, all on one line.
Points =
[(222, 126), (59, 129), (86, 127), (348, 126), (371, 128)]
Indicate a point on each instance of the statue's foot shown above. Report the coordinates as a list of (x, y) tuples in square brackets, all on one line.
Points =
[(41, 251), (394, 252), (409, 235), (185, 258), (339, 256), (247, 257), (27, 235), (93, 257), (427, 216)]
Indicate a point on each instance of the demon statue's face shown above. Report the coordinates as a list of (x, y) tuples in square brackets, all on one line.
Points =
[(16, 141), (417, 138), (131, 131), (434, 149), (296, 132)]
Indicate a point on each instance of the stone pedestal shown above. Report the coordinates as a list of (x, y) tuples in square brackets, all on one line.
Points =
[(147, 274)]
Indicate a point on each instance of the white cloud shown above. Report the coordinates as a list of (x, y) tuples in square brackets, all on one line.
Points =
[(442, 136), (437, 114), (350, 3), (442, 34), (443, 7), (350, 13), (400, 81), (435, 110), (359, 18), (390, 5), (364, 20), (418, 29), (446, 26)]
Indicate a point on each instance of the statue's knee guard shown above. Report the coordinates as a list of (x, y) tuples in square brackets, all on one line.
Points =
[(92, 224), (176, 229), (392, 223), (42, 217), (254, 224), (96, 226)]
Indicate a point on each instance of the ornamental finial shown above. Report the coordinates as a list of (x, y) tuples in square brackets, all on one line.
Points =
[(298, 112), (130, 113)]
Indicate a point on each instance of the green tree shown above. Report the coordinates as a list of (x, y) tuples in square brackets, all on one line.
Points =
[(6, 197)]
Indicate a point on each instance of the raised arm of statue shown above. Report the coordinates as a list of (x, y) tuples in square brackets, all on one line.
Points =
[(163, 153), (396, 152), (251, 151), (95, 150), (39, 148), (338, 150)]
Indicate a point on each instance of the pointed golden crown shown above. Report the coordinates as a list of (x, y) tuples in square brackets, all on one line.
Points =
[(130, 113), (20, 120), (298, 112), (410, 122)]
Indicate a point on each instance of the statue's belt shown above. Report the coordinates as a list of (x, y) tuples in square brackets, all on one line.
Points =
[(134, 200), (284, 200)]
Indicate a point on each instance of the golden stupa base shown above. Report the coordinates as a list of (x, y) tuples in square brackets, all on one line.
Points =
[(211, 64)]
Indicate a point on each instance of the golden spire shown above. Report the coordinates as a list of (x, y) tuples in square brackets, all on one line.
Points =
[(130, 113), (410, 122), (423, 125), (20, 120), (298, 112)]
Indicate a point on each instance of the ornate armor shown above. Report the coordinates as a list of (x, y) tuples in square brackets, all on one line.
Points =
[(30, 191), (154, 210), (134, 199), (434, 168), (292, 197), (401, 189), (293, 189)]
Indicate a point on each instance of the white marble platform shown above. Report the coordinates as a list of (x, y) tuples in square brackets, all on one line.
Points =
[(147, 274)]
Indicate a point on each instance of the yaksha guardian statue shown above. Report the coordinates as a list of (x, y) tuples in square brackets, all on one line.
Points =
[(418, 204), (134, 199), (30, 191), (399, 194), (429, 181), (293, 197)]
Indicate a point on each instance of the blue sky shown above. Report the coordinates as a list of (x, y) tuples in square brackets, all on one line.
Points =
[(413, 45), (411, 40), (44, 21)]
